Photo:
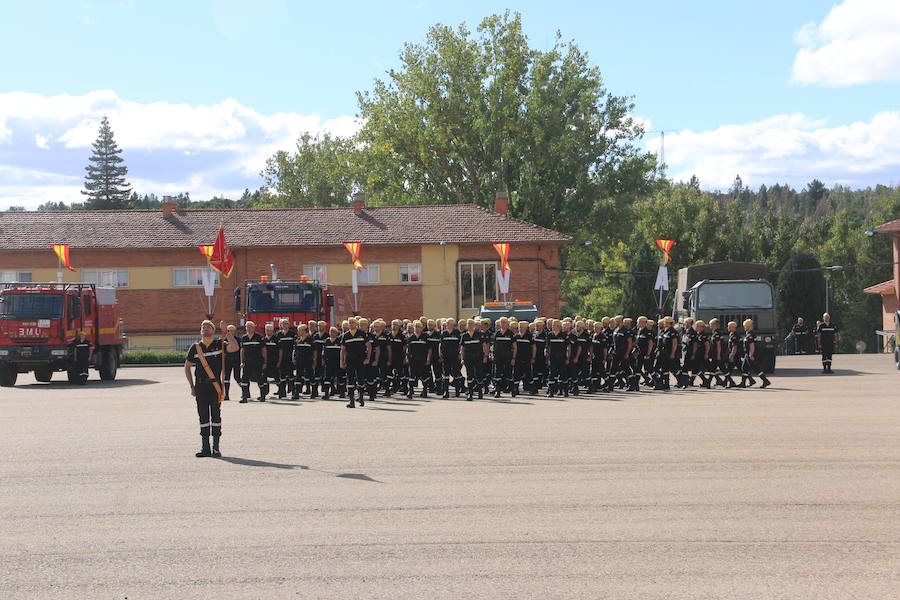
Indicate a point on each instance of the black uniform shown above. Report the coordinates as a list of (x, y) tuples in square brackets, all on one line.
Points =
[(801, 335), (417, 347), (398, 371), (473, 357), (375, 374), (827, 333), (486, 338), (304, 363), (285, 366), (331, 366), (581, 360), (717, 359), (232, 368), (502, 350), (558, 351), (253, 365), (735, 355), (539, 368), (205, 393), (642, 351), (437, 374), (355, 350), (522, 369), (599, 350), (271, 371), (80, 352), (751, 364), (621, 367), (320, 339), (449, 348)]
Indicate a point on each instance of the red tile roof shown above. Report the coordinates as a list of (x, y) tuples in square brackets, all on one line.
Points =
[(385, 225), (889, 227), (883, 288)]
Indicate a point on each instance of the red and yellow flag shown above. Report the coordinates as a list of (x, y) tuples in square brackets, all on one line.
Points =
[(354, 248), (219, 255), (503, 251), (665, 246), (62, 251)]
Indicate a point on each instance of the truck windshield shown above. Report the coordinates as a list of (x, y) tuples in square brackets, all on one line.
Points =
[(31, 306), (291, 300), (750, 294)]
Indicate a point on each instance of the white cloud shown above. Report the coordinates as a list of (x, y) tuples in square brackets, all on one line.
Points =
[(791, 149), (857, 42), (204, 150)]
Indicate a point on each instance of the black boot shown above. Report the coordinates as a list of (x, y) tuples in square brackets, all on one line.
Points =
[(424, 393), (729, 382), (245, 394), (551, 390), (480, 393), (447, 389), (205, 450), (215, 447), (765, 381), (706, 381), (743, 382), (315, 391), (326, 391), (227, 387), (750, 381), (515, 389), (469, 393), (350, 393), (575, 388)]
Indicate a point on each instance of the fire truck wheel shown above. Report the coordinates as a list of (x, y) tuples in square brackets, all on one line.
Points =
[(109, 364), (7, 376), (43, 375)]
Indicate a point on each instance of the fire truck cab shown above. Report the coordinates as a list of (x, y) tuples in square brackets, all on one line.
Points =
[(38, 322), (266, 300)]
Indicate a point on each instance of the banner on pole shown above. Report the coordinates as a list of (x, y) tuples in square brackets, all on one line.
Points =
[(662, 279), (503, 251), (209, 282), (354, 249), (62, 253), (503, 281), (665, 246), (354, 279)]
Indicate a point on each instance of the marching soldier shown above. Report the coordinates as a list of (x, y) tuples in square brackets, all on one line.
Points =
[(699, 367), (717, 358), (599, 350), (526, 351), (434, 343), (253, 362), (285, 336), (270, 370), (449, 352), (643, 350), (473, 354), (321, 339), (582, 358), (418, 355), (304, 358), (504, 352), (205, 356), (827, 339), (378, 363), (331, 359), (355, 350), (232, 364), (486, 338), (539, 368), (81, 351), (750, 364), (398, 357), (558, 352), (735, 354)]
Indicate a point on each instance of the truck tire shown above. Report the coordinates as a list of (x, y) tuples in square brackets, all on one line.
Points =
[(109, 364), (43, 375), (8, 376)]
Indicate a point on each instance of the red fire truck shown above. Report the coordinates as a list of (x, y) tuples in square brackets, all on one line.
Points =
[(269, 299), (38, 321)]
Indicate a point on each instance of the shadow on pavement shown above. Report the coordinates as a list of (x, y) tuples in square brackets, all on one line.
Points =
[(249, 462), (779, 372), (392, 409), (95, 383)]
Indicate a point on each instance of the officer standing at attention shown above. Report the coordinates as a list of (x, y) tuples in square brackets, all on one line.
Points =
[(433, 332), (81, 350), (304, 361), (397, 369), (449, 351), (232, 363), (270, 366), (205, 356), (473, 354), (801, 334), (504, 352), (419, 357), (559, 351), (827, 339), (526, 350), (331, 357), (539, 368), (253, 362), (285, 336)]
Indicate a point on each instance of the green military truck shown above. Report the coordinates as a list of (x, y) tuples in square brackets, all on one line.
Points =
[(731, 291), (523, 311)]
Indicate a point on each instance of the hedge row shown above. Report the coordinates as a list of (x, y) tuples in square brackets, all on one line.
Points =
[(152, 357)]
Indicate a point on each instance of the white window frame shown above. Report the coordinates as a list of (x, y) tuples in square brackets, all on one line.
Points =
[(189, 269), (311, 272), (493, 283), (183, 343), (411, 269), (95, 276), (12, 275), (365, 275)]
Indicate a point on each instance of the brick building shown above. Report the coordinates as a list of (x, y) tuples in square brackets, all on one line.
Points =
[(434, 260)]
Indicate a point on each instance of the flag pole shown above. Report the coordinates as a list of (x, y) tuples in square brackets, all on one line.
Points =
[(222, 308)]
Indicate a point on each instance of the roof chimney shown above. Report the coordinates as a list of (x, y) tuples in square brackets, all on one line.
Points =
[(359, 202), (501, 201), (169, 207)]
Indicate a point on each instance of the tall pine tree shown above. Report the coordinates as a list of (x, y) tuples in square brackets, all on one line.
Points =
[(638, 296), (104, 184)]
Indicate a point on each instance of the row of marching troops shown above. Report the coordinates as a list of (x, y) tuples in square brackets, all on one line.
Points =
[(567, 356)]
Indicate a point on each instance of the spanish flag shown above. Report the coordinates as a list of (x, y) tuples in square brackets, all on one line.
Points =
[(665, 246), (219, 255), (503, 251), (62, 252), (354, 248)]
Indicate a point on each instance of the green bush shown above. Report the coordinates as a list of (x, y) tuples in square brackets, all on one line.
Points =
[(152, 357)]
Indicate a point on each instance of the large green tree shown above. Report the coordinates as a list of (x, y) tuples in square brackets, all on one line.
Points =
[(104, 184)]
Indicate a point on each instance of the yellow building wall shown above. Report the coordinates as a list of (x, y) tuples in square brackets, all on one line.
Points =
[(439, 280), (143, 342)]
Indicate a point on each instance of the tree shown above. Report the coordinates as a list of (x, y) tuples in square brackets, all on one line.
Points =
[(638, 297), (466, 113), (104, 184), (800, 290), (323, 171), (16, 209)]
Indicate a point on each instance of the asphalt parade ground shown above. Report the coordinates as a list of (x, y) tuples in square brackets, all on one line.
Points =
[(790, 492)]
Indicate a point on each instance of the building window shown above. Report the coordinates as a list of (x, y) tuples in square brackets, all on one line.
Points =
[(10, 276), (183, 343), (190, 276), (371, 274), (477, 284), (105, 277), (316, 272), (411, 273)]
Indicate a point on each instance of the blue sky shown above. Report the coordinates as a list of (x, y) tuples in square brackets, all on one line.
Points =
[(199, 93)]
